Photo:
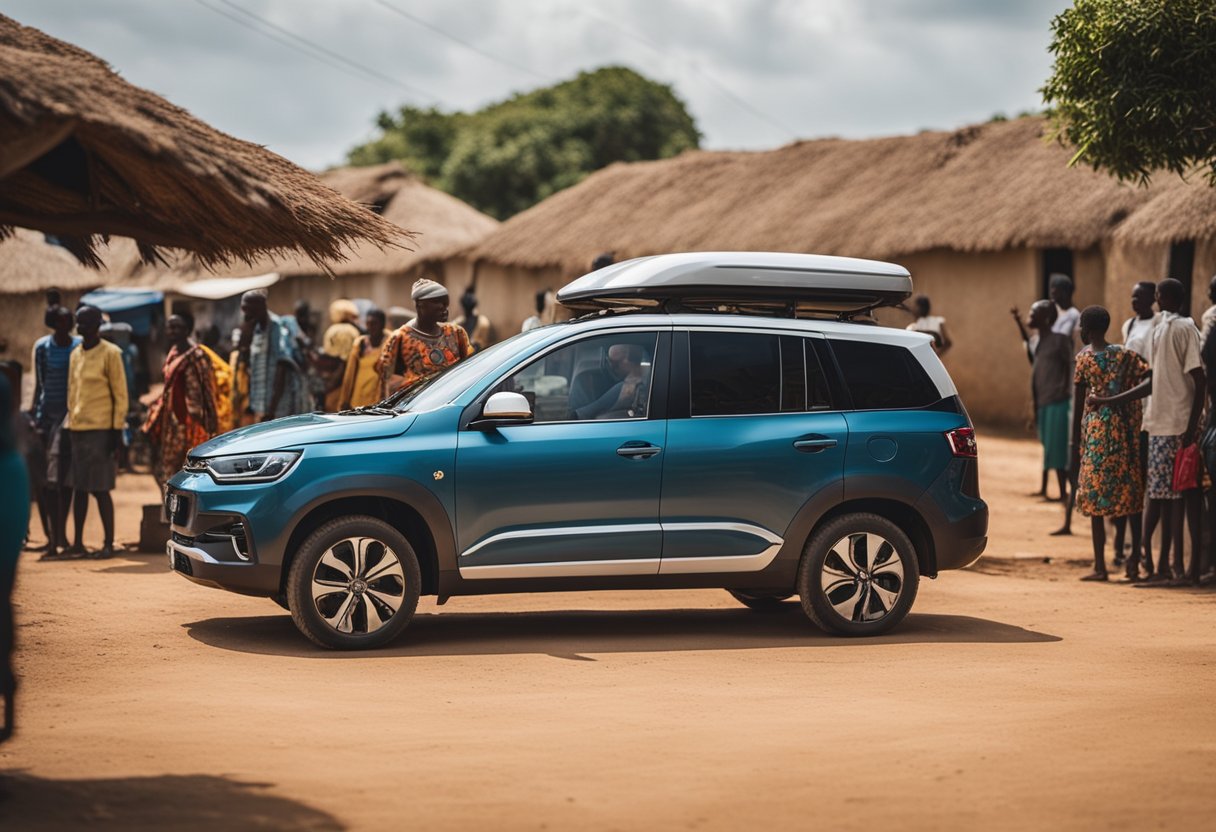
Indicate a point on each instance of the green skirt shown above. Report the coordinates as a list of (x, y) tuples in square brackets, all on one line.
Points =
[(1053, 433)]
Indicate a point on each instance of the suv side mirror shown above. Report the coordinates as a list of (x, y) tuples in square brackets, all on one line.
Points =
[(504, 409)]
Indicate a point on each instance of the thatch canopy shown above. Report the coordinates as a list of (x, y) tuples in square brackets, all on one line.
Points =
[(442, 223), (983, 188), (83, 153), (1177, 211), (28, 263)]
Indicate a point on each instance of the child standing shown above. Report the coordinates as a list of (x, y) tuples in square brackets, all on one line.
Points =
[(1051, 380), (1106, 440)]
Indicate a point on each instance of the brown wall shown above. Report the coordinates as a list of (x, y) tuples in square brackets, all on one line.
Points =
[(974, 293), (508, 294)]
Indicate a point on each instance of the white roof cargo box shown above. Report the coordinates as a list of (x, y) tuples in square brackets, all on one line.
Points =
[(774, 283)]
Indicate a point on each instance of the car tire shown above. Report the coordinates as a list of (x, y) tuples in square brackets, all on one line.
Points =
[(761, 601), (354, 584), (849, 590)]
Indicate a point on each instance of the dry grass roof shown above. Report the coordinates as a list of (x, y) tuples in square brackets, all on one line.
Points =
[(983, 188), (84, 153), (443, 224), (30, 264)]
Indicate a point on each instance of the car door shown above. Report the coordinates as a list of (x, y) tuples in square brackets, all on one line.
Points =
[(751, 437), (576, 492)]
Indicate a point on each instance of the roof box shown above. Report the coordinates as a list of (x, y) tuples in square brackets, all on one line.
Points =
[(769, 283)]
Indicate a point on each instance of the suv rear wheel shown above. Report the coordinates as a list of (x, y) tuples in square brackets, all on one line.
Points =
[(858, 576), (354, 584), (761, 601)]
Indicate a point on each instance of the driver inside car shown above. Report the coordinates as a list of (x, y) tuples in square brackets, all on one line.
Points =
[(626, 398)]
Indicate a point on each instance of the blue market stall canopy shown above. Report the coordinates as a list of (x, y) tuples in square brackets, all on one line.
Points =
[(137, 307)]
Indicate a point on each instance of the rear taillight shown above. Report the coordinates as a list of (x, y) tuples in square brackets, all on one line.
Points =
[(962, 442)]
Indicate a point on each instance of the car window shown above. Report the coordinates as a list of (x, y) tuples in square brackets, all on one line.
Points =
[(604, 377), (883, 376), (734, 373)]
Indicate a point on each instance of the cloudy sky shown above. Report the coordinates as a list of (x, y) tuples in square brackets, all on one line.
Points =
[(306, 77)]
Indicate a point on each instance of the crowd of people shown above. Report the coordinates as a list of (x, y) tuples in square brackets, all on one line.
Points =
[(1120, 425), (78, 420)]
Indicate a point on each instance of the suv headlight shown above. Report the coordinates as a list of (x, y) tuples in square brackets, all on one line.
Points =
[(261, 467)]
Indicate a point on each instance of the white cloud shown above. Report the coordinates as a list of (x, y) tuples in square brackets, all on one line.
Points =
[(822, 67)]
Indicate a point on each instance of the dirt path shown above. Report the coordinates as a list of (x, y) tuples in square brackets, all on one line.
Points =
[(1003, 702)]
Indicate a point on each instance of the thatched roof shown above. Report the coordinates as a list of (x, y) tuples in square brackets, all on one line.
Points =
[(84, 153), (28, 263), (1177, 211), (983, 188), (443, 225)]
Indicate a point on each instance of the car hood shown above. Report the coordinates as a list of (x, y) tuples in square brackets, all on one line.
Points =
[(308, 429)]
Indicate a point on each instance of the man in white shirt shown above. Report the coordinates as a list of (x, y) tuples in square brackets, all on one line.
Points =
[(1171, 419), (1138, 328), (1060, 290), (1209, 315)]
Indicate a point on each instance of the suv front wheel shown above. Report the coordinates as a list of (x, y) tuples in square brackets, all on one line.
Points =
[(354, 584), (858, 575)]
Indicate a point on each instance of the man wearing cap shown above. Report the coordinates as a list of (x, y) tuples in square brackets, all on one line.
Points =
[(425, 345)]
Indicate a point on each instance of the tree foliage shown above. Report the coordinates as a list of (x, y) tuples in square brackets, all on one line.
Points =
[(1133, 87), (509, 156)]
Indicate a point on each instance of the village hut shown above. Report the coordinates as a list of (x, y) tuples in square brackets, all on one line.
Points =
[(29, 265), (981, 216), (445, 228), (84, 155)]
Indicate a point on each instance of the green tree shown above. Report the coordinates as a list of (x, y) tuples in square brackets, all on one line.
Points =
[(1133, 87), (509, 156)]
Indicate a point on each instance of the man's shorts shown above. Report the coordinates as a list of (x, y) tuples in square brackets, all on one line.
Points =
[(1162, 451)]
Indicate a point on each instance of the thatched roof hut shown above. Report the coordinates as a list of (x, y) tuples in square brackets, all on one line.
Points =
[(443, 226), (83, 153), (30, 264), (981, 216), (983, 188)]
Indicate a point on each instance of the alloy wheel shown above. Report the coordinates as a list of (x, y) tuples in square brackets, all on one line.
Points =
[(862, 577), (358, 585)]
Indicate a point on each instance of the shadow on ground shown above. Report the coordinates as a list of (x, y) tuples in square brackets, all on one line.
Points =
[(190, 802), (570, 633)]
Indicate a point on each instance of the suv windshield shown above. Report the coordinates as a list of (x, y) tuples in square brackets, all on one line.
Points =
[(442, 387)]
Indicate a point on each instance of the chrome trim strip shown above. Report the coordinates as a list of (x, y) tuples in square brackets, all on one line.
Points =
[(742, 528), (192, 553), (725, 563), (561, 531), (661, 566), (563, 569)]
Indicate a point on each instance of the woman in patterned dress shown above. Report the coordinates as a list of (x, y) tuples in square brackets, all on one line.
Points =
[(185, 414), (1106, 440)]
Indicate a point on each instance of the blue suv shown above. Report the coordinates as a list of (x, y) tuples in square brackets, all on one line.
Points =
[(712, 420)]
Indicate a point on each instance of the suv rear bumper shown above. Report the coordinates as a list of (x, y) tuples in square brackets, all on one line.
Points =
[(960, 543)]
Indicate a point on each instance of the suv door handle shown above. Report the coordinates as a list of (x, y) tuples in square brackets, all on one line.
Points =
[(637, 450), (813, 445)]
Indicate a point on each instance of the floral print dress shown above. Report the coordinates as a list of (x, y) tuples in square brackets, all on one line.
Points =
[(415, 355), (1110, 483)]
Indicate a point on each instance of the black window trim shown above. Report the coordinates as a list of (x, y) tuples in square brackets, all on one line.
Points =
[(680, 406), (936, 404)]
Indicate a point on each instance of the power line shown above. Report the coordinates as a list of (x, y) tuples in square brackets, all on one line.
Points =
[(466, 44), (725, 90), (312, 50)]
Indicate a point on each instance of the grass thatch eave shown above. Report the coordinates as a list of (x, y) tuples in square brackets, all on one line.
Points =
[(84, 154), (442, 223), (984, 188)]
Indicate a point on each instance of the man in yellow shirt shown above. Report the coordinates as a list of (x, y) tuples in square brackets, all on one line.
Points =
[(97, 412)]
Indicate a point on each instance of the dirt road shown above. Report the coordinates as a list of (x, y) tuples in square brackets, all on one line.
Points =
[(1003, 702)]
